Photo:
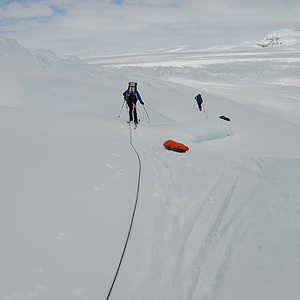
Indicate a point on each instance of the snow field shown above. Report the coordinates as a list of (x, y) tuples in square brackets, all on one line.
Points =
[(220, 221)]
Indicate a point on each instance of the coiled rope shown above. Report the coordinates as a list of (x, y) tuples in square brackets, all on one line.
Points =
[(133, 214)]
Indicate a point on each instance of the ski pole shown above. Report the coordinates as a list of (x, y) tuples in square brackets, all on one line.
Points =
[(147, 114), (121, 109), (205, 112)]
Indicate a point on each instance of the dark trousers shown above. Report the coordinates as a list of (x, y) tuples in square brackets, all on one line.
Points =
[(132, 111), (199, 105)]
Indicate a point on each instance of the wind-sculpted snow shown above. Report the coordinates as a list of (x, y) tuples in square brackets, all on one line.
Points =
[(210, 132), (11, 50), (72, 64), (203, 131), (220, 221)]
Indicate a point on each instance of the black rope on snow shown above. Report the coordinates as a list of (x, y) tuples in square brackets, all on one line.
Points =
[(133, 214)]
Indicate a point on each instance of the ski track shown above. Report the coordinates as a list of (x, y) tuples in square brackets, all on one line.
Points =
[(211, 239), (166, 226), (188, 247)]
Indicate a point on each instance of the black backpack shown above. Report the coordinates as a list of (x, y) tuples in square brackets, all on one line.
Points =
[(131, 97), (132, 92), (199, 98)]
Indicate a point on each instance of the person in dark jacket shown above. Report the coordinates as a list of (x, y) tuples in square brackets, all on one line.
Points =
[(199, 101), (131, 95)]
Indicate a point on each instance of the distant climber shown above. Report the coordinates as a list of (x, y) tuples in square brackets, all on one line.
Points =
[(199, 101), (131, 95)]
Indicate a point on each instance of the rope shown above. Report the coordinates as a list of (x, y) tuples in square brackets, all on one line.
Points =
[(160, 114), (147, 114), (133, 214), (152, 127)]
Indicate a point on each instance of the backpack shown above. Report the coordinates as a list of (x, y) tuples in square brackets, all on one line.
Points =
[(132, 87), (131, 97), (132, 92), (199, 98)]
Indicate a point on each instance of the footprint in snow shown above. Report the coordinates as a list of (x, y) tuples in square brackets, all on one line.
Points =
[(61, 235), (99, 188), (33, 292), (120, 172), (38, 269), (114, 166), (110, 166)]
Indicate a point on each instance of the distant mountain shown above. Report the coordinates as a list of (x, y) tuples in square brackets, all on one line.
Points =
[(281, 37)]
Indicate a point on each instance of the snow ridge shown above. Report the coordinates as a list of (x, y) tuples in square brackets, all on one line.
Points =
[(10, 49)]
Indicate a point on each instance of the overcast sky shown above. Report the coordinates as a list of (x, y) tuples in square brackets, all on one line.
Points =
[(89, 27)]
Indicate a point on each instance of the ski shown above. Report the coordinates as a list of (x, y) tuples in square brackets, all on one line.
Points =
[(135, 124)]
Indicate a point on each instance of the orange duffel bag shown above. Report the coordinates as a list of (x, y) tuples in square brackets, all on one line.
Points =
[(177, 147)]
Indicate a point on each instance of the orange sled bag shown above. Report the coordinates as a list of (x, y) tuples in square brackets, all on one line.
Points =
[(177, 147), (169, 144)]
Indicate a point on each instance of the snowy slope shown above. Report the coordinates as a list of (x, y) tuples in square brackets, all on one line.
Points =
[(218, 222)]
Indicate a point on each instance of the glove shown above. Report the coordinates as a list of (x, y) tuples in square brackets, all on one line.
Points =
[(142, 103)]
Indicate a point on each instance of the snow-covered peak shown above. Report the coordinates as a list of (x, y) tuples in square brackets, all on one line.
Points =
[(281, 37)]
